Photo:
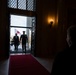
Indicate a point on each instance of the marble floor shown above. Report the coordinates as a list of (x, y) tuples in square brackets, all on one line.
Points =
[(4, 66)]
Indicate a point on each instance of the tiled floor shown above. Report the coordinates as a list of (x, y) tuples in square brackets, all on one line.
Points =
[(4, 65)]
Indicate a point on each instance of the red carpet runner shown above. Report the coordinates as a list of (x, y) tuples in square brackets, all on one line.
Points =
[(25, 65)]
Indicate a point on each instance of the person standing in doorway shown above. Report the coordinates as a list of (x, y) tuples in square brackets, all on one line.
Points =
[(16, 41), (23, 39)]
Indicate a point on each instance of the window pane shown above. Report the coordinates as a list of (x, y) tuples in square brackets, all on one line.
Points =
[(30, 5), (19, 32), (23, 21), (12, 3), (18, 20), (22, 4)]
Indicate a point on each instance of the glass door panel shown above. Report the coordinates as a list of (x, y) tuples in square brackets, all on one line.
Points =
[(19, 31)]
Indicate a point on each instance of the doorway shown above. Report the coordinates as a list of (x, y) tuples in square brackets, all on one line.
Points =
[(18, 24)]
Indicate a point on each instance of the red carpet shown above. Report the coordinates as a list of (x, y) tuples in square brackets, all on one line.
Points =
[(25, 65)]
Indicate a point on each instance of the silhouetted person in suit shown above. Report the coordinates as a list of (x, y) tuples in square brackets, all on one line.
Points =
[(64, 63), (23, 38), (16, 41)]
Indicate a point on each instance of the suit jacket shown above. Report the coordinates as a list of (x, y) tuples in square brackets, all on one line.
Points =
[(64, 63), (23, 38), (16, 40)]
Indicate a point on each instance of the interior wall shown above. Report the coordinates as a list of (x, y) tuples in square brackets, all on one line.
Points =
[(52, 40), (46, 36), (62, 25), (4, 53)]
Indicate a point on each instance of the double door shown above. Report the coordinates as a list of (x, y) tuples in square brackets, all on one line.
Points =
[(18, 24)]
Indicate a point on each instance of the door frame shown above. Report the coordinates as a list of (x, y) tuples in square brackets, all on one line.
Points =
[(33, 14)]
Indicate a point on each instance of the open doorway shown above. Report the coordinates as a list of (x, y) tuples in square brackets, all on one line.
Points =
[(18, 24)]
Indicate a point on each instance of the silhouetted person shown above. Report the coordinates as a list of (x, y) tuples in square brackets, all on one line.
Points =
[(23, 38), (64, 63), (16, 41)]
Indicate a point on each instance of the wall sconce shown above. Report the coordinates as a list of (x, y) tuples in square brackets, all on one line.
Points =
[(51, 24)]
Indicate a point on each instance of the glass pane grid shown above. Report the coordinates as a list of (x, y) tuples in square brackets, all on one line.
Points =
[(22, 4), (12, 3), (30, 5), (34, 5)]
